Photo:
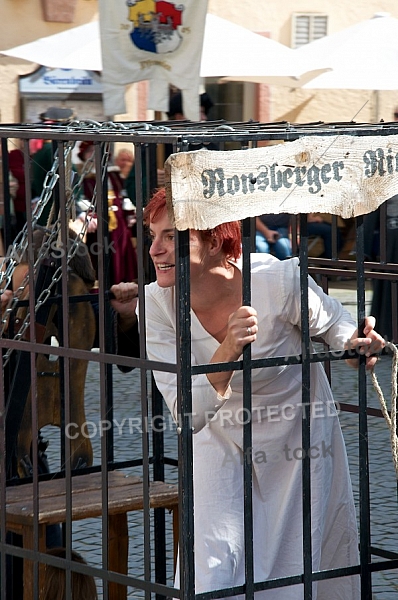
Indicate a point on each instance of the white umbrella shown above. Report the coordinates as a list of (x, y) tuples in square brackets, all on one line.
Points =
[(228, 50), (76, 48), (238, 54), (363, 56)]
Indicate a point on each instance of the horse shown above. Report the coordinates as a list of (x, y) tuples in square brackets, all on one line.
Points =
[(81, 331)]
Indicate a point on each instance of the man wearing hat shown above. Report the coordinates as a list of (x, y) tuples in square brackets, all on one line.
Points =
[(43, 159), (176, 112)]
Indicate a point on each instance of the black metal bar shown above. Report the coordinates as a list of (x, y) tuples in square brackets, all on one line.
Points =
[(306, 399), (394, 313), (105, 372), (247, 427), (334, 238), (158, 475), (364, 505), (295, 234), (184, 397), (64, 363), (383, 233)]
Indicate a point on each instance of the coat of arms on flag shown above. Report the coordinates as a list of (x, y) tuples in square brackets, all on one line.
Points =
[(153, 40), (155, 25)]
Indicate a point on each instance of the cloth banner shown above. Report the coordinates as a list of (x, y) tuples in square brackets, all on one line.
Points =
[(340, 175), (155, 40)]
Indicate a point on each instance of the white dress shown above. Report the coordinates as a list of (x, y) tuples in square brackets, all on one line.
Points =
[(277, 442)]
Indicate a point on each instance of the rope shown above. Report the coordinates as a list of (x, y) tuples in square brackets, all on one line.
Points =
[(391, 419)]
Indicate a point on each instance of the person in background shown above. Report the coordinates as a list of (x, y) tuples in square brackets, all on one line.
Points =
[(123, 254), (42, 160), (16, 165), (176, 113), (272, 235), (13, 188), (124, 159), (54, 588), (382, 302), (319, 224)]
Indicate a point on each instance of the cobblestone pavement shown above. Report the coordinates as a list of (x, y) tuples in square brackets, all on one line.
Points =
[(383, 483), (383, 489)]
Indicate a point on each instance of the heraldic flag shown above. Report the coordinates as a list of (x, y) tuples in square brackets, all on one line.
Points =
[(159, 41)]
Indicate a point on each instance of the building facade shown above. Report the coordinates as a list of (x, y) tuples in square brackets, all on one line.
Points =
[(291, 23)]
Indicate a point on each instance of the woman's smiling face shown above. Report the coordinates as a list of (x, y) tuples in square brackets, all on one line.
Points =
[(162, 250)]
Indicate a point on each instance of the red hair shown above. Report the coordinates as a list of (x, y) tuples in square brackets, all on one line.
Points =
[(155, 207), (229, 233)]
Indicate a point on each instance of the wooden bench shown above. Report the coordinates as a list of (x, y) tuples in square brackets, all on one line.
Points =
[(125, 494)]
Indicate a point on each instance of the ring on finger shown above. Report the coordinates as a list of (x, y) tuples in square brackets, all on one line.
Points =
[(249, 330)]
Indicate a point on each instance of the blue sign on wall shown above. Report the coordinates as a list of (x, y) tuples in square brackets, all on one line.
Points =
[(61, 81)]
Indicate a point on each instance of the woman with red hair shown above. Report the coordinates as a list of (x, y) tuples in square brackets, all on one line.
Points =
[(229, 233), (221, 326)]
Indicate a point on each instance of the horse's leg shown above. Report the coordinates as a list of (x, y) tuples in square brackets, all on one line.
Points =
[(48, 412), (81, 448), (81, 335)]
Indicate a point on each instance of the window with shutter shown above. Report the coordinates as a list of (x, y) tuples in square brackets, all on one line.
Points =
[(307, 27)]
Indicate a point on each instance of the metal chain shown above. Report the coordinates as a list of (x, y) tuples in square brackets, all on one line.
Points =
[(20, 244), (18, 250), (19, 247)]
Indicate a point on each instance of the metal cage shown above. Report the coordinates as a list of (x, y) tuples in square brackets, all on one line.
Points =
[(162, 451)]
